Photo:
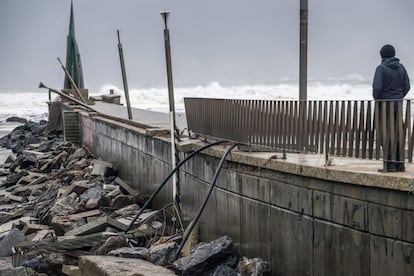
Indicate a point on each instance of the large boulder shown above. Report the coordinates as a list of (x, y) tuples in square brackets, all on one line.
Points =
[(205, 259), (254, 267), (162, 254)]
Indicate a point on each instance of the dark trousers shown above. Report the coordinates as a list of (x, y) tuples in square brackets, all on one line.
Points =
[(390, 163)]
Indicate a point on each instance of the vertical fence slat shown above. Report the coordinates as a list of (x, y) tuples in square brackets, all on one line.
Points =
[(322, 114), (308, 124), (409, 132), (331, 145), (360, 131), (352, 123), (344, 126), (377, 128), (401, 136), (392, 133), (314, 138)]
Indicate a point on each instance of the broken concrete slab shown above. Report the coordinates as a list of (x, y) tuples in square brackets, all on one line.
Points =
[(125, 186), (64, 244), (15, 198), (110, 244), (96, 202), (98, 225), (91, 213), (103, 168), (109, 266), (18, 271), (9, 241), (6, 227), (63, 224), (40, 235), (4, 172), (65, 205), (31, 228), (71, 270), (121, 201), (130, 252), (78, 187)]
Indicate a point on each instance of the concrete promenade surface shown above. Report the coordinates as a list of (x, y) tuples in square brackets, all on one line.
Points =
[(142, 116), (368, 169)]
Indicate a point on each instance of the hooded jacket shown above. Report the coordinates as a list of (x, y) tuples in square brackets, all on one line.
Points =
[(390, 80)]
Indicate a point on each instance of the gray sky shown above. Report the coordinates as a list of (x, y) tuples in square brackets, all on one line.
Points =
[(234, 42)]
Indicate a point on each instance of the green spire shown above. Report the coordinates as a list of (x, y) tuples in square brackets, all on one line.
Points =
[(73, 61)]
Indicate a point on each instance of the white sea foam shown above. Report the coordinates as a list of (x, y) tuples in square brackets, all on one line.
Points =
[(28, 105), (157, 98), (32, 105)]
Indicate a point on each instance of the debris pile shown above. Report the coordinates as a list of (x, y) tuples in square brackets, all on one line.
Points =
[(59, 205)]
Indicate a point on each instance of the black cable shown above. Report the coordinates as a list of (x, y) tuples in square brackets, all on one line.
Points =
[(168, 177), (203, 205)]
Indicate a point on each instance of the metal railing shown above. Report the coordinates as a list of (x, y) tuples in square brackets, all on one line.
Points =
[(360, 128)]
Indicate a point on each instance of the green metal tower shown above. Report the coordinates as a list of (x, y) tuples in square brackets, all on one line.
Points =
[(73, 60)]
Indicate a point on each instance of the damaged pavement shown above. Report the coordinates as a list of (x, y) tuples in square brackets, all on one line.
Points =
[(65, 212)]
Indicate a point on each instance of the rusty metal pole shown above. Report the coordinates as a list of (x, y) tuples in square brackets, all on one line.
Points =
[(173, 128), (124, 77), (303, 55)]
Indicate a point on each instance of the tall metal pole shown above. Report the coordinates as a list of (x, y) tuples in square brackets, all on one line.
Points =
[(124, 77), (165, 15), (303, 55), (173, 127)]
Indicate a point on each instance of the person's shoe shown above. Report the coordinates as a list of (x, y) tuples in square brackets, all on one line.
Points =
[(391, 169)]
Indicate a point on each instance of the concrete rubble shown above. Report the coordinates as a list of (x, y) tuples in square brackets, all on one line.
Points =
[(64, 212)]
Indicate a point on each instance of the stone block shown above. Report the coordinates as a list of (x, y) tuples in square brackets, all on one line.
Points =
[(340, 250), (109, 266), (291, 243), (390, 257), (385, 221), (290, 197), (341, 210), (98, 225)]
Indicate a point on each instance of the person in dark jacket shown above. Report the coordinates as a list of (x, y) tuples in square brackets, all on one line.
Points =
[(391, 82)]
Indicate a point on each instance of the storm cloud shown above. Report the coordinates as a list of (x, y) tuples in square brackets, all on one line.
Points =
[(233, 42)]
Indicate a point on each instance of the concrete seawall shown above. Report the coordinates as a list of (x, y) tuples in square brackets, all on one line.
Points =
[(303, 219)]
